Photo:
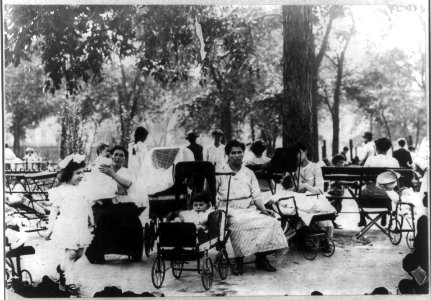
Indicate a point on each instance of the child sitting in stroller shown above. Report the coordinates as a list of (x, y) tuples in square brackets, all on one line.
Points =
[(198, 215)]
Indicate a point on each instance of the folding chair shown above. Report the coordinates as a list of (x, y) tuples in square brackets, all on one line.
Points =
[(373, 201)]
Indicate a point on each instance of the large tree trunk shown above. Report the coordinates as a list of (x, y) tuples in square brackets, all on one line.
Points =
[(336, 107), (63, 134), (17, 134), (314, 113), (298, 52), (317, 60)]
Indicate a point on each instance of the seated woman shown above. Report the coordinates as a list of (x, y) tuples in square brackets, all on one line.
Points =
[(119, 229), (310, 178), (253, 230)]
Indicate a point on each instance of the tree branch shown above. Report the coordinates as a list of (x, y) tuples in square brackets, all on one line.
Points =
[(324, 45)]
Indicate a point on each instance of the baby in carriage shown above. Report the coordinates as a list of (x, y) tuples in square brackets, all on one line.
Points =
[(199, 214), (307, 206)]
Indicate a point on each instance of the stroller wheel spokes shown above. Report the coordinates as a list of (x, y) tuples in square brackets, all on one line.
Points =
[(395, 233), (207, 272), (327, 246), (158, 271), (310, 249), (410, 238), (177, 268), (222, 261)]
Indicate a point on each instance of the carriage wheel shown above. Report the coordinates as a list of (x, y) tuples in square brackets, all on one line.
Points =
[(158, 272), (327, 242), (9, 264), (310, 249), (222, 261), (152, 234), (410, 239), (147, 241), (207, 273), (177, 268), (394, 229), (26, 278)]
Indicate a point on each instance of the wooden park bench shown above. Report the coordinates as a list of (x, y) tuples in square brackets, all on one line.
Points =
[(354, 178)]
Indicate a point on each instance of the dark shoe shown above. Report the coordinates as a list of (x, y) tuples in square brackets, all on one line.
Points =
[(324, 246), (238, 269), (361, 223), (337, 226), (263, 264), (72, 289)]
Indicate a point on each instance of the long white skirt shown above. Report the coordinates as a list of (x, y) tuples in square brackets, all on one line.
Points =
[(253, 232)]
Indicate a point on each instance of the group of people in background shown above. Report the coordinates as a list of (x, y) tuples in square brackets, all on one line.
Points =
[(117, 174), (379, 153)]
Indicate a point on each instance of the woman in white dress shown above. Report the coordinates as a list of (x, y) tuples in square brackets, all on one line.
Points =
[(253, 229), (137, 151), (70, 229)]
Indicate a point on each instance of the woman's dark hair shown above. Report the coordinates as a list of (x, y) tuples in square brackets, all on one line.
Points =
[(67, 173), (231, 144), (140, 134), (303, 146), (258, 147), (119, 147), (202, 197), (383, 145), (338, 158)]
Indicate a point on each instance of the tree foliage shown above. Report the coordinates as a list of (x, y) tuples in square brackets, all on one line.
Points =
[(24, 99)]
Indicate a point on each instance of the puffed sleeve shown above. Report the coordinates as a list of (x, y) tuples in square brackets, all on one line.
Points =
[(254, 186), (54, 196), (318, 179)]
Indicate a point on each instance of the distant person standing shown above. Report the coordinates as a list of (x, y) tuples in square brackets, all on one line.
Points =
[(370, 147), (9, 156), (344, 152), (137, 151), (30, 156), (195, 147), (403, 155), (215, 152)]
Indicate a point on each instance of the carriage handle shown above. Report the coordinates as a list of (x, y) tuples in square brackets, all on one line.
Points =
[(230, 174)]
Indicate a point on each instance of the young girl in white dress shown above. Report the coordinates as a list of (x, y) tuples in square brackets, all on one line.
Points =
[(70, 229)]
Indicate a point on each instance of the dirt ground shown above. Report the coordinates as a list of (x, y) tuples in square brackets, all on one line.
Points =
[(354, 269)]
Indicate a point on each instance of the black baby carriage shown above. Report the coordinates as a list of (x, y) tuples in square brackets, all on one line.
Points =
[(308, 239), (188, 180), (181, 243)]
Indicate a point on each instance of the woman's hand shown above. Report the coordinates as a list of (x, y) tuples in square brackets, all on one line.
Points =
[(105, 169), (268, 212)]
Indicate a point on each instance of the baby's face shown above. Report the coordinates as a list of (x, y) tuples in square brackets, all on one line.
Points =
[(200, 206), (105, 153)]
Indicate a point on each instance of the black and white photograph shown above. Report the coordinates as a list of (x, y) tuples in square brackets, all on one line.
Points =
[(201, 149)]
